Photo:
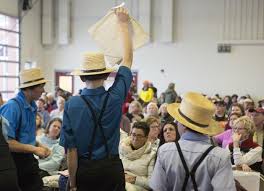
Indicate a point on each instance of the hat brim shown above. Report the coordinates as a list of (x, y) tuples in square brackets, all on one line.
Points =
[(79, 72), (212, 129), (33, 84)]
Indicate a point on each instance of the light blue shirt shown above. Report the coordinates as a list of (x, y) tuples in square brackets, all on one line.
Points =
[(214, 173), (5, 126), (52, 163), (78, 122), (12, 112)]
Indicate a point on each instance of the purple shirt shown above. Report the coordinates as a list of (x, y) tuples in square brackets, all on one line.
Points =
[(224, 138)]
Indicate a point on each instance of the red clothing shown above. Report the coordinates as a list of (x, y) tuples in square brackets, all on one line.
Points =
[(125, 105)]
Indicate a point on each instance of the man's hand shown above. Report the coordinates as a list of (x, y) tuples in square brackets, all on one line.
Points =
[(42, 152), (122, 15), (130, 179)]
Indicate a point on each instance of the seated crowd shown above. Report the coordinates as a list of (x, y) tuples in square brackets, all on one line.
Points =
[(147, 125)]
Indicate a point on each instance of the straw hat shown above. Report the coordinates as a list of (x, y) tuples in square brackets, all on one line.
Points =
[(31, 77), (94, 63), (195, 112)]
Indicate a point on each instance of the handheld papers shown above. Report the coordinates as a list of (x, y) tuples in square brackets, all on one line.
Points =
[(106, 33)]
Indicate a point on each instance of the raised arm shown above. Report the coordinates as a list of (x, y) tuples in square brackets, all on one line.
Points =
[(124, 20)]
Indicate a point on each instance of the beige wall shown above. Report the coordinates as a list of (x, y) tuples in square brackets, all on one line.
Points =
[(192, 61), (31, 31)]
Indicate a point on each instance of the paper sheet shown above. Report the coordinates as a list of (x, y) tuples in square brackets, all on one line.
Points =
[(105, 32)]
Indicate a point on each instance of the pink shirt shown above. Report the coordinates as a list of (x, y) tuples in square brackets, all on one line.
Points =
[(224, 138)]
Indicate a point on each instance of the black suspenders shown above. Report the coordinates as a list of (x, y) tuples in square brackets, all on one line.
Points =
[(20, 119), (97, 123), (192, 172)]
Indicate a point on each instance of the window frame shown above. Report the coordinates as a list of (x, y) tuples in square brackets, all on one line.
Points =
[(6, 90)]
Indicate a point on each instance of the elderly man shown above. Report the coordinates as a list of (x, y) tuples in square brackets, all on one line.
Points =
[(21, 115), (204, 166)]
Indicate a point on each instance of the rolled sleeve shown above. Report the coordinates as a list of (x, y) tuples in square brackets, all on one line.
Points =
[(251, 157), (223, 178), (5, 126), (67, 139), (122, 82)]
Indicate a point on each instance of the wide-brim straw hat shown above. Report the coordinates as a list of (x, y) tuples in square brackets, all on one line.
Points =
[(93, 64), (196, 112), (31, 77)]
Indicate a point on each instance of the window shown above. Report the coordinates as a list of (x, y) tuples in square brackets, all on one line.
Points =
[(9, 55)]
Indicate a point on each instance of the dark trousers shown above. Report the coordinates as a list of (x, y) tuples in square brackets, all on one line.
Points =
[(28, 172), (100, 175), (8, 180)]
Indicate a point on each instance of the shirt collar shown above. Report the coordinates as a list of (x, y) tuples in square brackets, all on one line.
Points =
[(96, 91), (191, 136), (26, 105)]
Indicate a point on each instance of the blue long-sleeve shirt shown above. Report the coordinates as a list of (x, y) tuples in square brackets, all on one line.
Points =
[(78, 123)]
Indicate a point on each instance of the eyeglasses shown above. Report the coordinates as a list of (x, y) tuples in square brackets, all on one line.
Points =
[(154, 126), (137, 135)]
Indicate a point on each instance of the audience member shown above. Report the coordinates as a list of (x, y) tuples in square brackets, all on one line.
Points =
[(39, 125), (170, 94), (245, 152), (228, 101), (220, 112), (138, 158), (152, 110), (50, 165), (169, 133), (135, 112), (59, 111), (154, 126), (164, 115), (51, 103), (237, 108), (41, 109), (146, 94), (225, 138)]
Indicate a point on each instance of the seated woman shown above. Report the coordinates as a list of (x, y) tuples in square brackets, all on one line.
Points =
[(39, 124), (164, 115), (152, 110), (137, 157), (237, 108), (245, 152), (134, 112), (50, 139), (225, 138), (169, 133), (154, 126)]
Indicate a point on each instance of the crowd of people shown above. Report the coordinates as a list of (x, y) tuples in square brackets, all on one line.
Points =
[(118, 139)]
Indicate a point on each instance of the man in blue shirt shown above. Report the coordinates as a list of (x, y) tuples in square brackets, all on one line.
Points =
[(203, 166), (90, 132), (21, 115)]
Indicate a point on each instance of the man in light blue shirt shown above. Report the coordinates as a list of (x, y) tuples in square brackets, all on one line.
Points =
[(193, 163)]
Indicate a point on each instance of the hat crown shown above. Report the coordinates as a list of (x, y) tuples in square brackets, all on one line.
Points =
[(197, 108), (30, 75), (93, 61)]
